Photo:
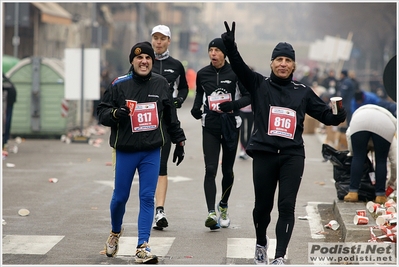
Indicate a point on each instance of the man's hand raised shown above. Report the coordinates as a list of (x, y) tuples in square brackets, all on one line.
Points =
[(228, 37)]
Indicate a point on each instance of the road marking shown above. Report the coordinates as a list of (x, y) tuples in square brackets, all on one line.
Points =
[(316, 226), (244, 248), (177, 179), (29, 244), (314, 220), (159, 245), (174, 179)]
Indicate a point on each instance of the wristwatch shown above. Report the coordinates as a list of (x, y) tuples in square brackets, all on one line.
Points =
[(182, 143)]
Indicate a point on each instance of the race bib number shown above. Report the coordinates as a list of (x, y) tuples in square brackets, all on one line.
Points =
[(215, 100), (145, 117), (282, 122)]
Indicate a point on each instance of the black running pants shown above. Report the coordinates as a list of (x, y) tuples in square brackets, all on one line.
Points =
[(270, 169), (211, 144)]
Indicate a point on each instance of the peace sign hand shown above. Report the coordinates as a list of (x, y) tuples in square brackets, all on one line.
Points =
[(228, 37)]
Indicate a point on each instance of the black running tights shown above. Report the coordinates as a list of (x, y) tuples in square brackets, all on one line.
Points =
[(211, 144), (270, 169)]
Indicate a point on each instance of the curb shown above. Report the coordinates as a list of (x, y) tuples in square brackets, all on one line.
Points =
[(344, 213)]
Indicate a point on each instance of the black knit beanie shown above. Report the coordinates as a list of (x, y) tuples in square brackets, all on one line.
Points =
[(283, 49), (218, 42), (142, 48)]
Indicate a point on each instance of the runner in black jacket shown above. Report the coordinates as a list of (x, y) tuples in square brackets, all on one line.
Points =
[(220, 93), (173, 70), (276, 145), (139, 110)]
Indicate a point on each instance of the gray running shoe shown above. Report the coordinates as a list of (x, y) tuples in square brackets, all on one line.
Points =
[(261, 257), (278, 261), (111, 246), (143, 255)]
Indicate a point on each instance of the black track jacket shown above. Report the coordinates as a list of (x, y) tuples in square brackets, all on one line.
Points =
[(174, 72), (212, 81), (265, 93), (133, 87)]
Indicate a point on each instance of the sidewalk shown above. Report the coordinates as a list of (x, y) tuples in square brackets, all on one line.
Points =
[(345, 212)]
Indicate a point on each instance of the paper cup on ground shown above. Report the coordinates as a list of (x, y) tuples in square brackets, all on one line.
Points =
[(380, 210), (360, 220), (380, 221), (383, 219), (336, 104), (361, 212), (390, 210), (389, 191), (390, 203), (53, 180), (333, 224), (371, 206)]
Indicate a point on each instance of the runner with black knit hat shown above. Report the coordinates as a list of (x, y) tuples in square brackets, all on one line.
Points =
[(221, 96), (133, 106), (276, 143)]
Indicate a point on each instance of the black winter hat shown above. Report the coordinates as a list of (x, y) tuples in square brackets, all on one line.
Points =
[(283, 49), (218, 42), (142, 48)]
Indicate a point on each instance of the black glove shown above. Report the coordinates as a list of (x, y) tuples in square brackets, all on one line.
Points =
[(177, 102), (341, 114), (227, 106), (228, 37), (178, 154), (121, 112), (197, 113)]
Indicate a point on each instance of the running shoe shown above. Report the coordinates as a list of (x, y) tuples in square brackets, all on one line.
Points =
[(111, 246), (278, 261), (160, 220), (143, 255), (212, 221), (261, 257), (243, 156), (224, 220)]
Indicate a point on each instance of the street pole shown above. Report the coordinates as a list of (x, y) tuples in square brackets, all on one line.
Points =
[(82, 90), (81, 138), (15, 38)]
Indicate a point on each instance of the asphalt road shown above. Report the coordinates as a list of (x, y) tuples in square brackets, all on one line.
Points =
[(69, 220)]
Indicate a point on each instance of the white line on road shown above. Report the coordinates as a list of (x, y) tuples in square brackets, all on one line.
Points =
[(29, 244)]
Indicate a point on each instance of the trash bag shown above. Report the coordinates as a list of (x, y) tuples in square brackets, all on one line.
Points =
[(341, 171), (336, 157)]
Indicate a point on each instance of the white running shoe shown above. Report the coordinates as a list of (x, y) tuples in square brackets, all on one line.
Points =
[(160, 220), (224, 220)]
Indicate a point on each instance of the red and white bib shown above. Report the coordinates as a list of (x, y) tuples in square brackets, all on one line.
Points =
[(145, 117), (215, 100), (282, 122)]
